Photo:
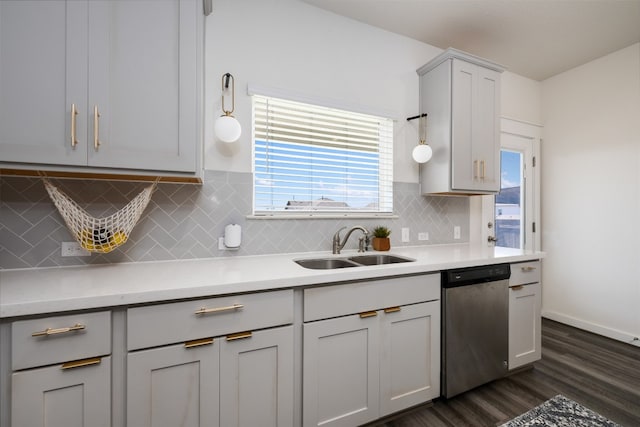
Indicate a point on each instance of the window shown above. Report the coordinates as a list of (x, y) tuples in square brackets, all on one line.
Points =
[(312, 159)]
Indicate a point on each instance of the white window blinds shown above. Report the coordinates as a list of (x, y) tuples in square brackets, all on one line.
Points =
[(316, 159)]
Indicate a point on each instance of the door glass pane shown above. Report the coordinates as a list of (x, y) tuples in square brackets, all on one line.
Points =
[(510, 201)]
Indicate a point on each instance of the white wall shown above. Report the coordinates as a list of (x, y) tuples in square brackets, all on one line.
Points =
[(306, 51), (591, 195)]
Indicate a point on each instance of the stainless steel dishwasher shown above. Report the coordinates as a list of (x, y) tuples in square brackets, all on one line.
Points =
[(475, 322)]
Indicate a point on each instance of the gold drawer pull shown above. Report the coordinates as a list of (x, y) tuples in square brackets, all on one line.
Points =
[(81, 363), (517, 288), (204, 310), (239, 336), (391, 309), (52, 331), (527, 269), (368, 314), (198, 343)]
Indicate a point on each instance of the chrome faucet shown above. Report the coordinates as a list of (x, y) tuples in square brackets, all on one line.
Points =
[(363, 242)]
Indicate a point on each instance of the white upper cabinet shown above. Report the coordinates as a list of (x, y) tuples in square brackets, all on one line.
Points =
[(460, 94), (101, 84)]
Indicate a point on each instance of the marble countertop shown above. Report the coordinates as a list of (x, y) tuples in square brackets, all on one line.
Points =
[(45, 290)]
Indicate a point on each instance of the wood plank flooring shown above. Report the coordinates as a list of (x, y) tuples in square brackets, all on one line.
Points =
[(597, 372)]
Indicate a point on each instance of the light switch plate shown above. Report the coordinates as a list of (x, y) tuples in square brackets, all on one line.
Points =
[(456, 232), (405, 235)]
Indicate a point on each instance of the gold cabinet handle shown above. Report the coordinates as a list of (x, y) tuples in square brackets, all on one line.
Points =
[(391, 310), (204, 310), (482, 169), (368, 314), (74, 113), (527, 269), (96, 128), (198, 343), (239, 336), (517, 288), (55, 331), (81, 363)]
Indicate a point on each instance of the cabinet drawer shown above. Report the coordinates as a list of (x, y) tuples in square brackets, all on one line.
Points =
[(183, 321), (524, 272), (339, 300), (39, 342)]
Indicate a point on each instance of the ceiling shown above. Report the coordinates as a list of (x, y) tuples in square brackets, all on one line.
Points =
[(533, 38)]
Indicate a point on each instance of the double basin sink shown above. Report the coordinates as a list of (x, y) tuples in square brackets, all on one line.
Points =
[(354, 261)]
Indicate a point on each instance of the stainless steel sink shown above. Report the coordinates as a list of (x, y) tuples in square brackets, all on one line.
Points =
[(354, 261), (379, 259), (326, 263)]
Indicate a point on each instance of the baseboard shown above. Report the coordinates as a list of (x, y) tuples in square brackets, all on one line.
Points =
[(593, 327)]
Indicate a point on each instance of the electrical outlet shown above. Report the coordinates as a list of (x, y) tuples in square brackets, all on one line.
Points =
[(423, 236), (405, 235), (456, 232), (73, 249)]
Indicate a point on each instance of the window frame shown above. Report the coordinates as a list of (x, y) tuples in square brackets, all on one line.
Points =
[(386, 186)]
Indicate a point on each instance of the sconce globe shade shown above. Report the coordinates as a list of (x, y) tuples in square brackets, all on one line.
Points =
[(227, 128), (422, 153)]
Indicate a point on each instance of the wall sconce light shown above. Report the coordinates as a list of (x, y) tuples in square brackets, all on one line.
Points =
[(227, 128), (422, 152)]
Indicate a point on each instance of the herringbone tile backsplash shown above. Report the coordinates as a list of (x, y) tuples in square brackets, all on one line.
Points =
[(184, 221)]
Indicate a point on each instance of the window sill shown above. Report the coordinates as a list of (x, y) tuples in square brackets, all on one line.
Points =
[(323, 216)]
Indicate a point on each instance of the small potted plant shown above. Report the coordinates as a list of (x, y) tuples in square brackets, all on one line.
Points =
[(381, 240)]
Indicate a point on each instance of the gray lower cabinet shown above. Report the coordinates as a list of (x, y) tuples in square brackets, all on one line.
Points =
[(525, 322), (61, 371), (223, 361), (59, 396), (360, 367), (341, 371), (239, 380)]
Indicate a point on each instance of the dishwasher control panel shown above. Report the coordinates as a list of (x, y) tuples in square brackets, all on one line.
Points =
[(481, 274)]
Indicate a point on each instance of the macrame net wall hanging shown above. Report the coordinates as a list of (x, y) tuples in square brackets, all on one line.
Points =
[(99, 234)]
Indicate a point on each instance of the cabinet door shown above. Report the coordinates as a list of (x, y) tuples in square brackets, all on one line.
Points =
[(464, 167), (174, 386), (57, 397), (486, 129), (409, 356), (475, 127), (341, 371), (525, 325), (43, 51), (256, 379), (143, 66)]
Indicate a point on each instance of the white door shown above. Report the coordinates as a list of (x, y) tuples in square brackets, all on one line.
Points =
[(174, 386), (256, 379), (341, 371), (512, 216), (57, 397), (409, 356)]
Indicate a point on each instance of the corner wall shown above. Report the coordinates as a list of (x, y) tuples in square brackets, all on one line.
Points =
[(591, 195)]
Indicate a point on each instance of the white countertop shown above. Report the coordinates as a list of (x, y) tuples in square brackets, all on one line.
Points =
[(46, 290)]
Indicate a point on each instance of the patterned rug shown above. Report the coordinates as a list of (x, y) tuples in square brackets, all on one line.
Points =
[(560, 412)]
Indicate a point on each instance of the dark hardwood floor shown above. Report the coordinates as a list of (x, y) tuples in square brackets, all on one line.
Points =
[(597, 372)]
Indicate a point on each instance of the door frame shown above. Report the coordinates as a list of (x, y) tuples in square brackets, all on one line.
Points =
[(530, 134)]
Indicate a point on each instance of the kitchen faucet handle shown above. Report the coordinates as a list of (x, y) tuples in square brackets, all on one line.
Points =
[(337, 235), (362, 243)]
